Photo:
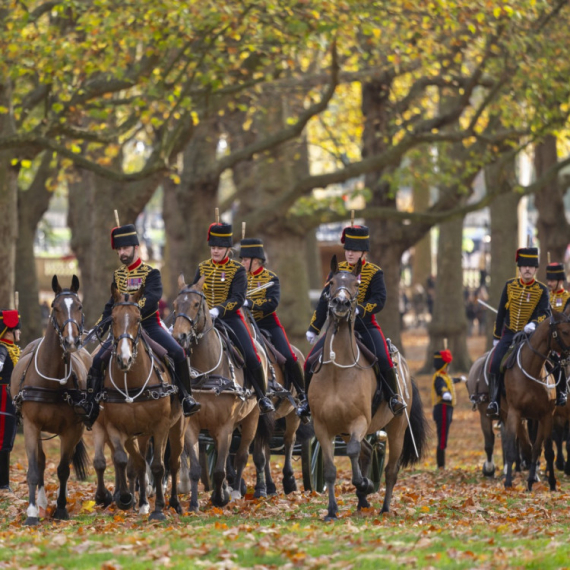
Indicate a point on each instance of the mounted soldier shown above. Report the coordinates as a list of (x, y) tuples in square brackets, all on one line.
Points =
[(263, 305), (129, 278), (9, 356), (225, 288), (524, 303), (559, 298), (371, 300)]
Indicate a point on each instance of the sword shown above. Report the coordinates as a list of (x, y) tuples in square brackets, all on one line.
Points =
[(487, 306), (261, 288)]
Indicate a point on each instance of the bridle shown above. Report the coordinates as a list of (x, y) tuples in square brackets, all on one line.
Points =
[(134, 339), (60, 329), (352, 297), (194, 336)]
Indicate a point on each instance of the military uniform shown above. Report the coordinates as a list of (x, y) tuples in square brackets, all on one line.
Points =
[(9, 356), (559, 298), (225, 287), (443, 398), (129, 279), (263, 305), (521, 304), (371, 300)]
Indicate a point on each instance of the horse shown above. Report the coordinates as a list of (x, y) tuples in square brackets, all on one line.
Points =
[(561, 435), (527, 395), (134, 409), (342, 392), (48, 378), (478, 388), (219, 387)]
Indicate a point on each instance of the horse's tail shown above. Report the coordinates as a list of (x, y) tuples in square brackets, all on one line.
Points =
[(80, 461), (419, 427), (265, 430)]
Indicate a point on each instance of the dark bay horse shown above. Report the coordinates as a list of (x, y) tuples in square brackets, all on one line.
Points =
[(528, 395), (139, 402), (219, 388), (341, 395), (46, 381)]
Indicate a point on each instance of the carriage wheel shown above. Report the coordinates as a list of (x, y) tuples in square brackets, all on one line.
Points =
[(377, 466), (205, 465), (312, 466)]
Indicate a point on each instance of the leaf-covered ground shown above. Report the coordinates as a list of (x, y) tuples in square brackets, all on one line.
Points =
[(439, 519)]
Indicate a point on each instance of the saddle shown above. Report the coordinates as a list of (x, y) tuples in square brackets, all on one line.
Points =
[(510, 358), (280, 360)]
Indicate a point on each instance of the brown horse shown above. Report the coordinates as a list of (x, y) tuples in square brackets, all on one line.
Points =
[(136, 408), (341, 394), (46, 381), (561, 433), (219, 388), (528, 394)]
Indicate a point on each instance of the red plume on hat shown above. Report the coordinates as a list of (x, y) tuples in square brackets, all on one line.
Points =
[(10, 318), (446, 356)]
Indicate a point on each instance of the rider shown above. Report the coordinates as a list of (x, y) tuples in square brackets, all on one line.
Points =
[(263, 305), (9, 356), (225, 289), (443, 399), (524, 304), (132, 275), (371, 300), (559, 297)]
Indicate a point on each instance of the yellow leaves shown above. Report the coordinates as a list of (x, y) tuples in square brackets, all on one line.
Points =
[(88, 506)]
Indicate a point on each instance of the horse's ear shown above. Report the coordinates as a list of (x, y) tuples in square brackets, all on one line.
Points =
[(357, 268), (138, 294), (115, 292), (74, 284), (55, 285), (181, 282), (200, 283), (334, 264)]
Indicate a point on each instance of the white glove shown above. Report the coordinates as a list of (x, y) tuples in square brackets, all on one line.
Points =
[(357, 310), (529, 328), (214, 313), (311, 337), (495, 342), (463, 378), (247, 304), (446, 397)]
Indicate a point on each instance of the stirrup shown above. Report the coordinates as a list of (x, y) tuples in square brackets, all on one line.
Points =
[(265, 405), (492, 410), (190, 406), (396, 405)]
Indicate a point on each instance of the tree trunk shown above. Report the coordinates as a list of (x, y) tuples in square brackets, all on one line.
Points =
[(32, 205), (421, 261), (553, 228)]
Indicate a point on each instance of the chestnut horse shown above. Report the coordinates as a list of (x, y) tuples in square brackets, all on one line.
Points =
[(528, 394), (220, 389), (135, 407), (48, 378), (341, 394)]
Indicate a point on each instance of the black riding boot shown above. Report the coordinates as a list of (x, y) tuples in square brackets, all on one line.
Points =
[(395, 401), (259, 383), (189, 405), (440, 456), (561, 389), (5, 471), (88, 408), (304, 411), (494, 397)]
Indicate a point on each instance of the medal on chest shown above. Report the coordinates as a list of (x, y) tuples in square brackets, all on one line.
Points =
[(223, 278), (528, 297), (134, 283), (559, 302)]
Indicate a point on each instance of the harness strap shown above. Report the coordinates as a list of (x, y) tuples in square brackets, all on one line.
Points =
[(154, 392)]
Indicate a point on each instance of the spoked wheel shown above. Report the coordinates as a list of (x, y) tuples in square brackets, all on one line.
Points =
[(312, 466)]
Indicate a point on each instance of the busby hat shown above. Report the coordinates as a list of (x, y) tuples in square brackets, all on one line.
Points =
[(252, 247), (527, 257), (555, 272), (123, 236), (9, 320), (356, 238), (220, 235), (440, 358)]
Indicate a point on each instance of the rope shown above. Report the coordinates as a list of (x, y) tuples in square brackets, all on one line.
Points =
[(125, 394), (62, 381)]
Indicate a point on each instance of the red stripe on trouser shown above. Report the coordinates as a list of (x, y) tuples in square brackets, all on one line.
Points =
[(238, 313), (278, 323), (3, 409), (442, 439), (373, 321)]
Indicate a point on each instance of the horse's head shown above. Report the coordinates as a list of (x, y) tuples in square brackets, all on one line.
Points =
[(343, 290), (125, 326), (560, 332), (190, 312), (67, 314)]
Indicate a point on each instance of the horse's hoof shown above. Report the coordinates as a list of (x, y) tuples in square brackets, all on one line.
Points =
[(559, 464), (177, 507), (235, 495), (193, 508), (144, 509), (332, 517), (366, 486), (125, 502), (258, 493), (104, 500), (363, 503), (488, 469), (221, 501), (61, 514), (289, 485), (157, 516), (32, 521)]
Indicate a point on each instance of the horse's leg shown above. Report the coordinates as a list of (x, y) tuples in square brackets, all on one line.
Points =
[(175, 436), (184, 486), (549, 456), (157, 468), (489, 436), (136, 470), (543, 432), (364, 461), (396, 430), (102, 494), (67, 444), (220, 494), (557, 436), (42, 497), (192, 448), (261, 462), (32, 442), (510, 448), (329, 469), (123, 497), (566, 439), (248, 429), (292, 422)]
